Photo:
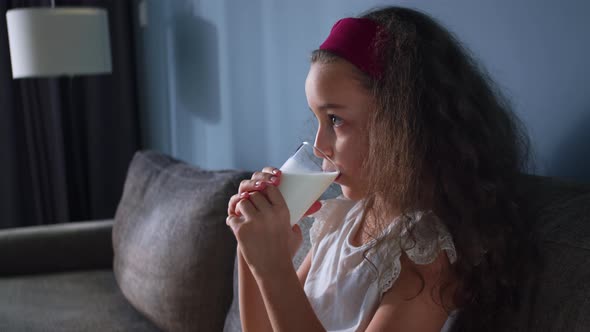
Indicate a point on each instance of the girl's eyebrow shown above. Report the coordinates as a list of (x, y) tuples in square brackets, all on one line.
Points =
[(328, 106)]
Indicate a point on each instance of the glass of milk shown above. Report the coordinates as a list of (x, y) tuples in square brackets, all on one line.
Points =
[(305, 177)]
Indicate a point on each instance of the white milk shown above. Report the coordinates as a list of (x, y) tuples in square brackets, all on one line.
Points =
[(301, 189)]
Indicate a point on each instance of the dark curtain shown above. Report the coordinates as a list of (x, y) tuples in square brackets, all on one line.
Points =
[(65, 143)]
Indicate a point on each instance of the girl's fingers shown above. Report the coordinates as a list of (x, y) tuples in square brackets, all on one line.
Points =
[(234, 222), (258, 182), (297, 231), (268, 174), (249, 185), (315, 207), (272, 170), (247, 209), (259, 201), (232, 207), (274, 196), (233, 201)]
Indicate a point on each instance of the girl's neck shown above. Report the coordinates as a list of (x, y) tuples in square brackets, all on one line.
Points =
[(374, 222)]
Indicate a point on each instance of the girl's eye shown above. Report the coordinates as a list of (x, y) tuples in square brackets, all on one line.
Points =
[(336, 121)]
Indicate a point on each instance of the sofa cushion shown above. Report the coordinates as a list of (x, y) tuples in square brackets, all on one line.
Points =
[(68, 302), (173, 251)]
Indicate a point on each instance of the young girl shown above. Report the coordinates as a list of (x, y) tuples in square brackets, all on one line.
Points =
[(427, 234)]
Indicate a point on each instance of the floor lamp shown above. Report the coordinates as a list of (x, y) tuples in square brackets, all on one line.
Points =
[(60, 41)]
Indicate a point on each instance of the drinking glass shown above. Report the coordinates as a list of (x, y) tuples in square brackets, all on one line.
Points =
[(305, 177)]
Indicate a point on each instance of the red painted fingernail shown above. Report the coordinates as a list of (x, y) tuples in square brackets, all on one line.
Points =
[(275, 171), (257, 184), (274, 179)]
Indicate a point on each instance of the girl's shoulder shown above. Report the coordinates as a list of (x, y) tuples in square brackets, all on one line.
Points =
[(422, 238)]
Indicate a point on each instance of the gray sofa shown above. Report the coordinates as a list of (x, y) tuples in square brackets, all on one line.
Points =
[(62, 277)]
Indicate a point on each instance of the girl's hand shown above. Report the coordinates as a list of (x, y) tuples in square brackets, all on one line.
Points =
[(258, 182), (263, 231)]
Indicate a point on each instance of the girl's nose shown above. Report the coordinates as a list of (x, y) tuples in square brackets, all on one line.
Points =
[(324, 144)]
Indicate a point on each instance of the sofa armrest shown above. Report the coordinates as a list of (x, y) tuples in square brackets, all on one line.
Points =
[(56, 247)]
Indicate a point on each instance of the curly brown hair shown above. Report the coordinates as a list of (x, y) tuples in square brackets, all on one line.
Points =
[(447, 141)]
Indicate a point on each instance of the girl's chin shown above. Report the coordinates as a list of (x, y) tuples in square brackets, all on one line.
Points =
[(350, 193)]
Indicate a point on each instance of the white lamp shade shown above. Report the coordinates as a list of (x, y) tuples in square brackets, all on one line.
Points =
[(58, 41)]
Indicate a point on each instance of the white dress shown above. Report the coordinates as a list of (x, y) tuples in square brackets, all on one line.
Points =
[(342, 286)]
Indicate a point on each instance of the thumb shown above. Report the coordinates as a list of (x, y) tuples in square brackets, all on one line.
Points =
[(295, 241), (297, 230), (315, 207)]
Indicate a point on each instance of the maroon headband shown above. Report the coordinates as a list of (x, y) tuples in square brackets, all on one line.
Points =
[(354, 40)]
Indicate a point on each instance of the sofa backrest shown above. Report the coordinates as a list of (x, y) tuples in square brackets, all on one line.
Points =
[(559, 299)]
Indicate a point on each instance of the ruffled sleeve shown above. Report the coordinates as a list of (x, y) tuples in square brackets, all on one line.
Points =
[(422, 242)]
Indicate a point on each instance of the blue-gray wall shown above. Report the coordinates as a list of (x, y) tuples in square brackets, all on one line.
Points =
[(221, 81)]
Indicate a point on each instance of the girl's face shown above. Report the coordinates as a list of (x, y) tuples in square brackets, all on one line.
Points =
[(341, 105)]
